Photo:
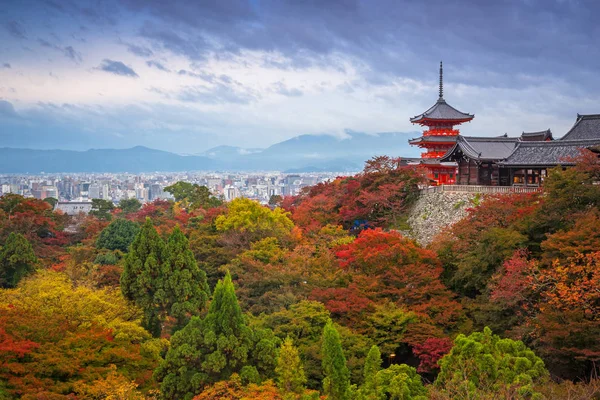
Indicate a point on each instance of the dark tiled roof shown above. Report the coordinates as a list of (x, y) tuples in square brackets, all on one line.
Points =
[(433, 139), (482, 148), (444, 112), (586, 127), (547, 154), (537, 136)]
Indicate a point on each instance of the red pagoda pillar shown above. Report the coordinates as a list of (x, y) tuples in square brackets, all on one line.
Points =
[(439, 136)]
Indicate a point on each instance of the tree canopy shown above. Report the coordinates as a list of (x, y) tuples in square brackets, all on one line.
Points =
[(192, 196), (326, 296), (118, 235), (17, 260)]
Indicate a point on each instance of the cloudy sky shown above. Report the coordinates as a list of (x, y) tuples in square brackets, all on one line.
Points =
[(185, 76)]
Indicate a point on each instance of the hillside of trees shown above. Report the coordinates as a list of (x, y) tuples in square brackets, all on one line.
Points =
[(317, 296)]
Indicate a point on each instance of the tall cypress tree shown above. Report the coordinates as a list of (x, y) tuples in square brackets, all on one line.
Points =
[(226, 321), (17, 260), (336, 384), (207, 350), (289, 370), (142, 276), (372, 366), (185, 290)]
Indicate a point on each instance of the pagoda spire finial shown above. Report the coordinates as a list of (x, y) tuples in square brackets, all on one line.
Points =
[(441, 81)]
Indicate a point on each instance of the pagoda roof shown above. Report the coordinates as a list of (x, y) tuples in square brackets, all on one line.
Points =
[(585, 127), (482, 148), (442, 111), (433, 139), (537, 136), (547, 154)]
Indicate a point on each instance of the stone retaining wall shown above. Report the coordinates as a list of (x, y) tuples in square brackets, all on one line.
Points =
[(434, 211)]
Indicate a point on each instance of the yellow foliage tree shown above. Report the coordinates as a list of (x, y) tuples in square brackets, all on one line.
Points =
[(112, 387), (248, 216), (52, 293)]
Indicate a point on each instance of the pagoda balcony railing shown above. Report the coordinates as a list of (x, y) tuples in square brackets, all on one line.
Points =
[(433, 154), (441, 132)]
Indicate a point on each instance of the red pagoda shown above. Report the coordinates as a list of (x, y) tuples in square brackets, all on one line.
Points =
[(439, 137)]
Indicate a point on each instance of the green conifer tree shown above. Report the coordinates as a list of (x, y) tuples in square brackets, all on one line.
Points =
[(372, 366), (185, 290), (208, 350), (17, 260), (336, 384), (289, 370), (142, 278)]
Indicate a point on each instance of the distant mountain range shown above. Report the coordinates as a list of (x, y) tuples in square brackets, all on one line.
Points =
[(305, 153)]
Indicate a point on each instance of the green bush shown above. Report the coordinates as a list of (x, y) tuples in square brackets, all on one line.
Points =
[(482, 364), (118, 235)]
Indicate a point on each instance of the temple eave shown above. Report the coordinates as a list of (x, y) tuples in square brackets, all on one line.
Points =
[(424, 121)]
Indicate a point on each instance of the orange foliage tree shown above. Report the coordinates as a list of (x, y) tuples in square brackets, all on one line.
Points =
[(388, 267), (567, 326), (473, 249), (35, 220), (376, 197)]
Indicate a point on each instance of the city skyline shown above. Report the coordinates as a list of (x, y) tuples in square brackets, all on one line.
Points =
[(188, 76), (74, 190)]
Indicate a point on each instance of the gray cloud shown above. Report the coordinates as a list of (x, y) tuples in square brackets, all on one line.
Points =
[(490, 43), (6, 66), (71, 53), (117, 68), (157, 65), (283, 90), (205, 76), (159, 91), (222, 89), (191, 45), (67, 51), (139, 50), (16, 29), (45, 43), (217, 94), (7, 109)]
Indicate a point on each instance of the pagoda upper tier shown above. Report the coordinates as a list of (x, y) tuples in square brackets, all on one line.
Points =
[(441, 113)]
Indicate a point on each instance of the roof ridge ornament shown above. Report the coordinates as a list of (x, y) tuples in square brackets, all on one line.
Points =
[(441, 81)]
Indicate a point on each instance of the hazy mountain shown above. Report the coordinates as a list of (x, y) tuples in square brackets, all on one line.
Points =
[(325, 152), (134, 160), (301, 153), (228, 152)]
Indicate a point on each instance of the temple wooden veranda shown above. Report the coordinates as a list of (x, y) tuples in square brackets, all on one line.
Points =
[(524, 160)]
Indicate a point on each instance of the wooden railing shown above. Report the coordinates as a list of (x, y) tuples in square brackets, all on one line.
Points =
[(481, 189), (441, 132), (433, 154)]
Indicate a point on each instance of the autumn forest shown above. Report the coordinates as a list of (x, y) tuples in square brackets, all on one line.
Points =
[(318, 296)]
